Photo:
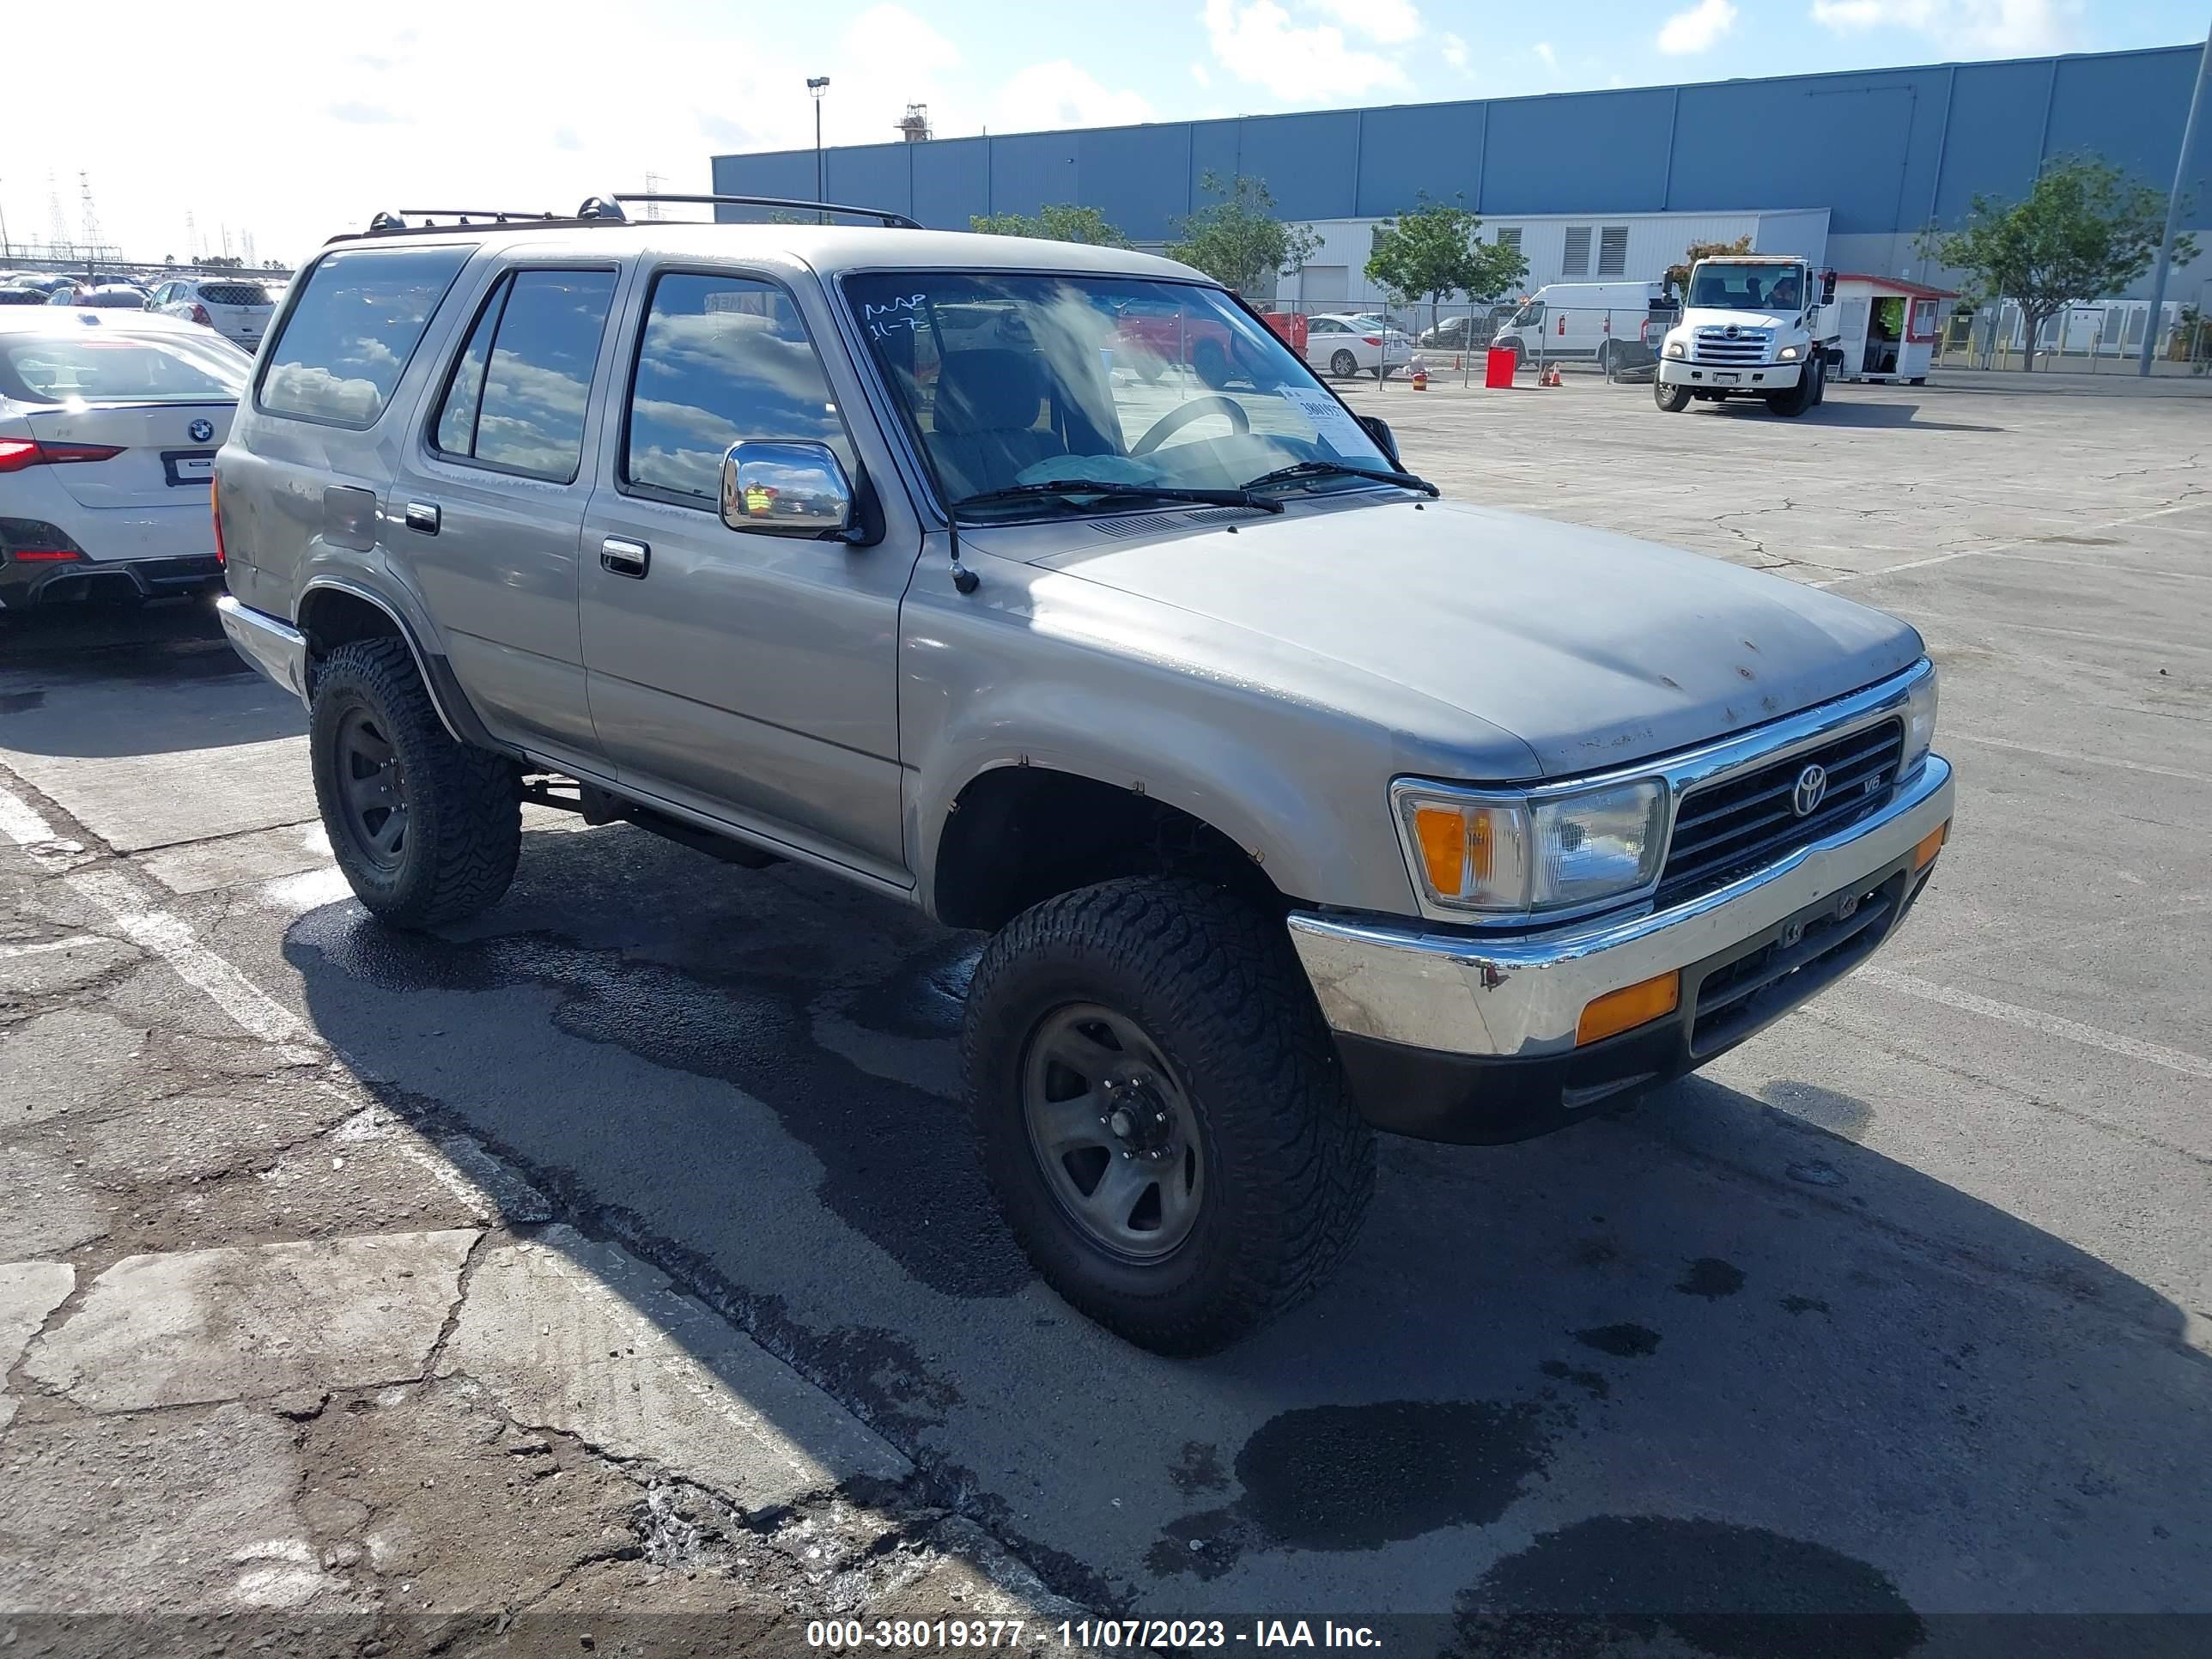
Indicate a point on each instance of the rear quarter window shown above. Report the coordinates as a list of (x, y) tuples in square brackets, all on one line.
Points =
[(356, 324)]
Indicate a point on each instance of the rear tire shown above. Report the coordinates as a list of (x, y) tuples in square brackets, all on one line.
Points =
[(1671, 399), (426, 828), (1343, 365), (1209, 359), (1176, 994)]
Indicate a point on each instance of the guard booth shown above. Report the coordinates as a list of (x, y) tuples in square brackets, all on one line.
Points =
[(1889, 327)]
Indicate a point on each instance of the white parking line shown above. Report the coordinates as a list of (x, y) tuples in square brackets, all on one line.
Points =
[(2007, 547), (166, 936), (2058, 1025), (9, 952)]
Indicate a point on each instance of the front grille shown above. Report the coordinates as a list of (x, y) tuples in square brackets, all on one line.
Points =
[(1736, 999), (1748, 820), (1712, 345)]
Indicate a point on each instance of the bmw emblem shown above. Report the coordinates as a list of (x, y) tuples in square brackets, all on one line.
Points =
[(202, 431), (1811, 785)]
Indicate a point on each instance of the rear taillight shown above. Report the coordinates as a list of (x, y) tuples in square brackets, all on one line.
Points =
[(16, 453), (199, 314), (1372, 340), (214, 506)]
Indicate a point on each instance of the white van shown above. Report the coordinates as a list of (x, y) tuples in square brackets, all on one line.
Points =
[(1601, 323)]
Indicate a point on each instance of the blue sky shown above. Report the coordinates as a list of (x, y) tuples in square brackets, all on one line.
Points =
[(332, 109)]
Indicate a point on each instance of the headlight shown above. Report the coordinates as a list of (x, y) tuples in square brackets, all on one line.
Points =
[(1517, 854), (1676, 349), (1919, 722), (1787, 354)]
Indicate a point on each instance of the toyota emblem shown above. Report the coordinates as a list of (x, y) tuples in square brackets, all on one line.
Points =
[(202, 431), (1811, 785)]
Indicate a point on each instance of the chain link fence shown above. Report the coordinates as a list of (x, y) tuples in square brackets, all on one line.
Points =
[(2097, 339), (1451, 341)]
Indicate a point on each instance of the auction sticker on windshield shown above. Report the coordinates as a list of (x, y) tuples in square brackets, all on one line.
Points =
[(1332, 421)]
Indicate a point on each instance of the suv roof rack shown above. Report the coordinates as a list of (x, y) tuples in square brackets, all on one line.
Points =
[(787, 203), (596, 210)]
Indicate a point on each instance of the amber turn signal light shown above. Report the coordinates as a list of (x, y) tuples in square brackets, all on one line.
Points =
[(1630, 1007), (1931, 845)]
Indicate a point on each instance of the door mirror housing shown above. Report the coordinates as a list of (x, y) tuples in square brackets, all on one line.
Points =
[(1379, 430), (1827, 287), (797, 488)]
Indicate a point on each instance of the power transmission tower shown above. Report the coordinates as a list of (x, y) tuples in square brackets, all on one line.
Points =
[(652, 182), (88, 218), (58, 236), (191, 239)]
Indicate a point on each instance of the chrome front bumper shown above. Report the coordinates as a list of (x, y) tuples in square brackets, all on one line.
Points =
[(276, 648), (1523, 996), (1749, 377)]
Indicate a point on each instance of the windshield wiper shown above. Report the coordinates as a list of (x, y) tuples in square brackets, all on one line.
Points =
[(1343, 469), (1117, 491)]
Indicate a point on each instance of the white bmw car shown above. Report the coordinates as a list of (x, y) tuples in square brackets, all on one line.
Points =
[(109, 423)]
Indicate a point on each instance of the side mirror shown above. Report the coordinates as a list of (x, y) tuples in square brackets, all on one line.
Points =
[(785, 490), (1379, 430), (1827, 287)]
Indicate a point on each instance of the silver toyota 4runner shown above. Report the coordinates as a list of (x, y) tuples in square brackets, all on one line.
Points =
[(1043, 588)]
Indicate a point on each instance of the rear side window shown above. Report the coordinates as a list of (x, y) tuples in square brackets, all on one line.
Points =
[(518, 391), (722, 359), (349, 340), (234, 294)]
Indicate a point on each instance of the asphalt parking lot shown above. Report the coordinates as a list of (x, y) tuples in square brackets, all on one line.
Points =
[(1902, 1310)]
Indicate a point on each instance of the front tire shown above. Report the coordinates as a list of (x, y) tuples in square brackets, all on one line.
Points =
[(1671, 399), (1161, 1111), (427, 829), (1796, 399)]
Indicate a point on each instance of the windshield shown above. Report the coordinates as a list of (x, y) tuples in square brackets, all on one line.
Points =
[(1748, 287), (1010, 379)]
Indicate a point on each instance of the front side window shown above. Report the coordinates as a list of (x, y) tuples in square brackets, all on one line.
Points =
[(517, 396), (1013, 379), (721, 360), (351, 336)]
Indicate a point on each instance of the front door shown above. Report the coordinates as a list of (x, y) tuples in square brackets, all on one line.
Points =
[(750, 677), (489, 505)]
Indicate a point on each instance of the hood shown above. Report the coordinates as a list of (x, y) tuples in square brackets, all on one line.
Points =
[(1594, 650)]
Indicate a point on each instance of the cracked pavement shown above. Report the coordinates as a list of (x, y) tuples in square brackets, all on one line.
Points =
[(615, 1265)]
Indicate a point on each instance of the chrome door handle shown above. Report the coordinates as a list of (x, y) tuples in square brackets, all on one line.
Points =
[(625, 557), (421, 516)]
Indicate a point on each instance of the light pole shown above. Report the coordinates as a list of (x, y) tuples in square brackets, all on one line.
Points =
[(2173, 208), (817, 85)]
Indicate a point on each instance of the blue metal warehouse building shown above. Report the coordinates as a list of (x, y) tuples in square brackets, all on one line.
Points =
[(1883, 152)]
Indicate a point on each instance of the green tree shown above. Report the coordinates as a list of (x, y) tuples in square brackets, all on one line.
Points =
[(1056, 222), (1237, 241), (2084, 230), (1431, 253), (1678, 277)]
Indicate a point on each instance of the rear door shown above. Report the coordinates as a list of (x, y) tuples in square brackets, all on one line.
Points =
[(488, 502), (239, 310), (159, 403)]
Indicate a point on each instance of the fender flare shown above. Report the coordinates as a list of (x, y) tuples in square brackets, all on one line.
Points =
[(455, 712)]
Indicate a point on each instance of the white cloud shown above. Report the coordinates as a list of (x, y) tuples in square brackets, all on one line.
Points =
[(1969, 28), (1255, 40), (1454, 49), (1549, 58), (1388, 20), (1197, 74), (1061, 94), (1699, 27)]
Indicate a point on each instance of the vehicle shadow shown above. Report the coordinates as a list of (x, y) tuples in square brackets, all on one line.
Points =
[(102, 681), (1652, 1375), (1839, 410)]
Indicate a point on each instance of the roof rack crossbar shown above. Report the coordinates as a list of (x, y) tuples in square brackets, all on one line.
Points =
[(787, 204)]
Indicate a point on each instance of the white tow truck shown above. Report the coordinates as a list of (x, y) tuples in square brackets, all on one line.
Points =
[(1753, 326)]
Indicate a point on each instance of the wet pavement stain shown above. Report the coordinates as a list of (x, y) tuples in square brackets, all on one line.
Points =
[(22, 703), (1594, 1381), (1199, 1470), (1711, 1278), (924, 997), (1360, 1476), (1621, 1341), (1802, 1304), (898, 1164), (1723, 1590)]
